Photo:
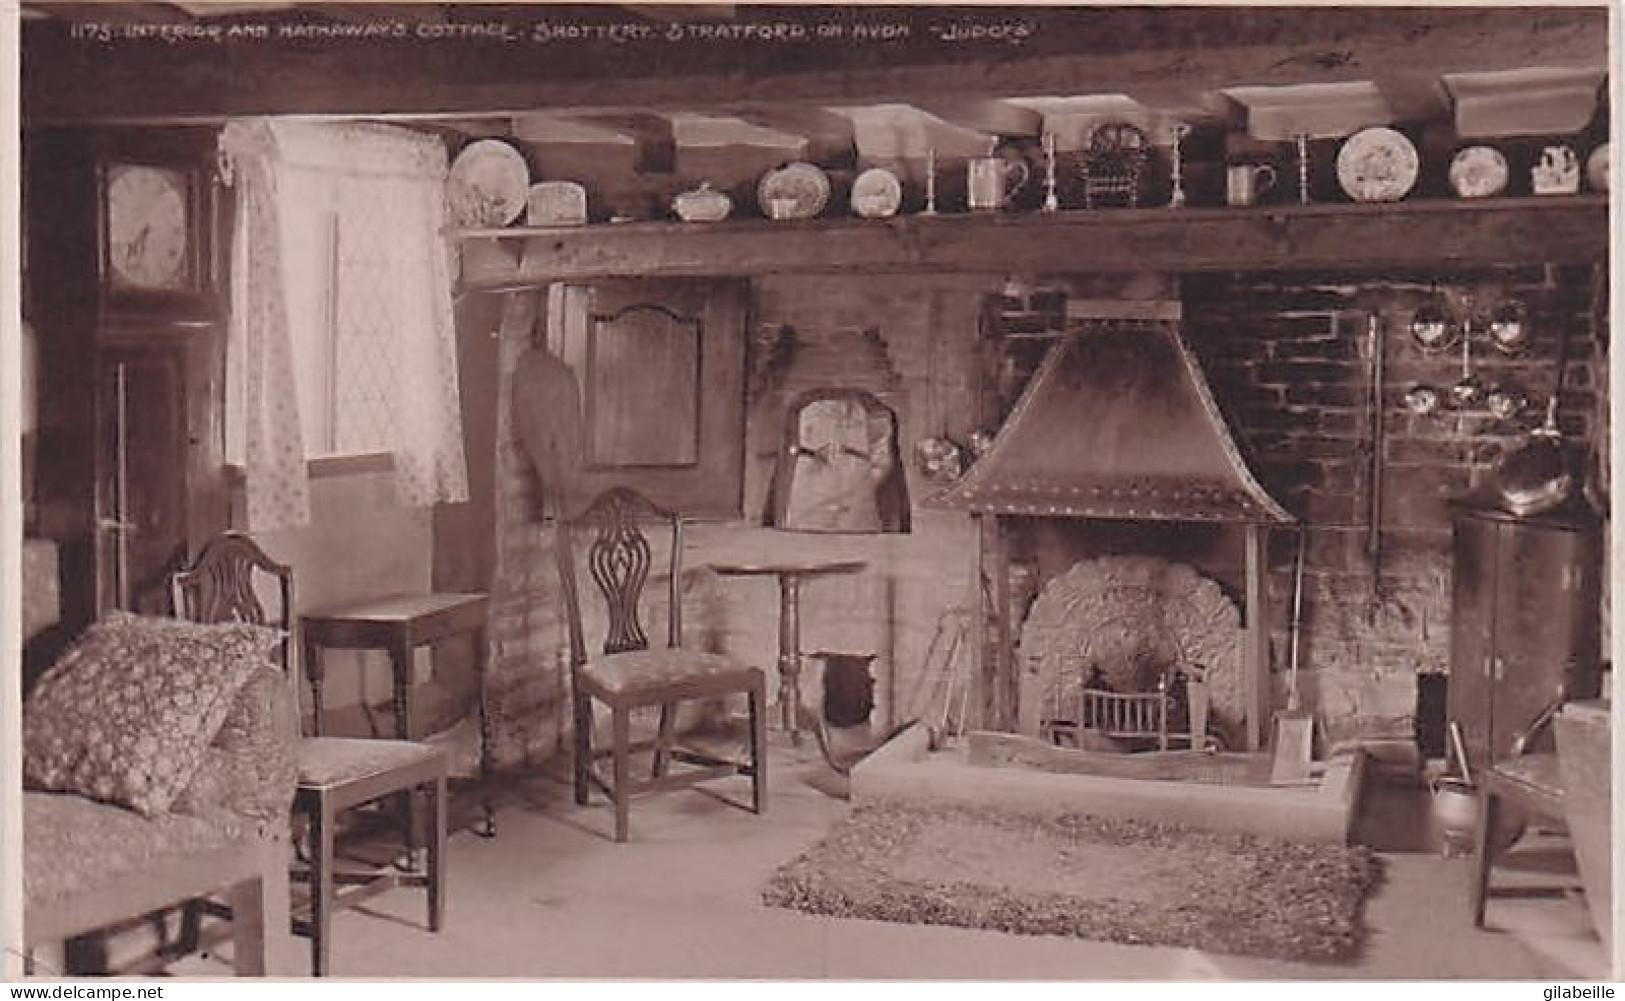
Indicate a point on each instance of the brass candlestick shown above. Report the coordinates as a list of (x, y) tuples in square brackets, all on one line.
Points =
[(1303, 168), (930, 182), (1051, 202), (1176, 197)]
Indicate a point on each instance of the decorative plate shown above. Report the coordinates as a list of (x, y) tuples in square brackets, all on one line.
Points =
[(1597, 168), (876, 193), (1377, 165), (1478, 172), (488, 184), (794, 191)]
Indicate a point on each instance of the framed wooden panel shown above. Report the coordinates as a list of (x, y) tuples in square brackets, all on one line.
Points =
[(661, 366), (641, 388)]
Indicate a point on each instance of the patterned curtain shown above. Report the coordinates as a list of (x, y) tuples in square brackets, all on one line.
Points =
[(262, 413), (366, 284)]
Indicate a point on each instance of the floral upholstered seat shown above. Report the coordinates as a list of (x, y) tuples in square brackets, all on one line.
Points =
[(327, 761), (73, 844), (636, 670), (158, 762)]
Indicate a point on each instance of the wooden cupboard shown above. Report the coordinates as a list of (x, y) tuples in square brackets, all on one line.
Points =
[(1525, 621)]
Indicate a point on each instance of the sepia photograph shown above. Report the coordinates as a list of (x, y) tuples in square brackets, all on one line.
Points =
[(716, 492)]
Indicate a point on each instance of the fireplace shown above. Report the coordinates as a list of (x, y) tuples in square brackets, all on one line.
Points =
[(1117, 439)]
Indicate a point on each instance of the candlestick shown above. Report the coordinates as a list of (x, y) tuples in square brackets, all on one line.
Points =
[(1303, 168), (930, 182), (1051, 202), (1176, 198)]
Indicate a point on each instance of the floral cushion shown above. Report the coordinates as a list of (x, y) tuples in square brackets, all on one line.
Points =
[(126, 714), (249, 768), (634, 670)]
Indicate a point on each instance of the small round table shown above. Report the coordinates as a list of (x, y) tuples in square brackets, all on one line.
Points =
[(790, 572)]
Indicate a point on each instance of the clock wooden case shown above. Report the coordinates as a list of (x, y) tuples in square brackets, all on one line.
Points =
[(125, 273), (156, 232)]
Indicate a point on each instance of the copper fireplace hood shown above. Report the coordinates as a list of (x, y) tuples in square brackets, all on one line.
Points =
[(1117, 423)]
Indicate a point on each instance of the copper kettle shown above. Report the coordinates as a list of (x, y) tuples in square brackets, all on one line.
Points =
[(1537, 477)]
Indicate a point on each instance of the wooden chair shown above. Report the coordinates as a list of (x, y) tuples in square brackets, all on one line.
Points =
[(1527, 780), (335, 774), (629, 675)]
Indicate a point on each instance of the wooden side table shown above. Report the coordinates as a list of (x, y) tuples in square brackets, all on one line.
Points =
[(791, 573), (398, 624)]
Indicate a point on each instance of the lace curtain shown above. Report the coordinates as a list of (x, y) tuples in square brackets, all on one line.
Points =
[(342, 338)]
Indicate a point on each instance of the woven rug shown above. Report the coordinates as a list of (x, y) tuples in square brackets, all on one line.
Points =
[(1110, 880)]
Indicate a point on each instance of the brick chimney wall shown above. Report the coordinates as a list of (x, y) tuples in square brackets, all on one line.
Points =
[(1288, 358)]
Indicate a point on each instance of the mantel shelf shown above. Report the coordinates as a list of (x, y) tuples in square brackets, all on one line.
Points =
[(1423, 235)]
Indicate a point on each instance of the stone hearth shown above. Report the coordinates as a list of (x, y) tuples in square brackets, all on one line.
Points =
[(907, 770)]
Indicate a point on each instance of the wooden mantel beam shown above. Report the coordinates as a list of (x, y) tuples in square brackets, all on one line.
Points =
[(510, 58), (1421, 237)]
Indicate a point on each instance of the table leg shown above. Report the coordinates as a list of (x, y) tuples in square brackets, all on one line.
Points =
[(314, 674), (790, 654), (400, 663), (488, 825)]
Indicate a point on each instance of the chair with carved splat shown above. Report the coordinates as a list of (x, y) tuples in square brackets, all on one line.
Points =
[(336, 774), (630, 675)]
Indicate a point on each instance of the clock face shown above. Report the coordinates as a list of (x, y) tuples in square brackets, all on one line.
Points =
[(148, 232)]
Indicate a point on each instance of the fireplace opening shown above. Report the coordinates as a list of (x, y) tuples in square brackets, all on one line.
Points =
[(1132, 653)]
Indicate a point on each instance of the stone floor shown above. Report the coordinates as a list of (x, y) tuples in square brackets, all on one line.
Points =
[(553, 897)]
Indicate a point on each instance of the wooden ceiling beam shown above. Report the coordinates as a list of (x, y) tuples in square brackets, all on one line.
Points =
[(993, 117), (830, 138), (1068, 50)]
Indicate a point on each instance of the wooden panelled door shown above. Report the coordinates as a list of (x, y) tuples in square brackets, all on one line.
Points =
[(661, 365), (159, 488)]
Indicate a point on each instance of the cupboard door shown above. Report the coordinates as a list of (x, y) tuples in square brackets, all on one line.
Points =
[(1545, 601), (158, 491), (1472, 628), (661, 368)]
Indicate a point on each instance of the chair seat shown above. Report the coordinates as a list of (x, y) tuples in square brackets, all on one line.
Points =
[(1539, 774), (73, 844), (649, 670), (329, 761)]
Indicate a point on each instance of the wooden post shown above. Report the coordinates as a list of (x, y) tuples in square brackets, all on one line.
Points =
[(1003, 708), (1256, 640), (988, 628), (978, 626)]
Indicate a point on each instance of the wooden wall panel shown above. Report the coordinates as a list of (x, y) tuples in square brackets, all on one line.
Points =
[(688, 453)]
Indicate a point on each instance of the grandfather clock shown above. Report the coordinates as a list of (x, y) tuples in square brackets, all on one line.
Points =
[(125, 248)]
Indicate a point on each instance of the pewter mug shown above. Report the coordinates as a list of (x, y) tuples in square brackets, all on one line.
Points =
[(991, 181), (1244, 182)]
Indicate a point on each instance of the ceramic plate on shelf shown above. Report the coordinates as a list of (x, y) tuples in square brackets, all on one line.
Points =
[(876, 193), (794, 191), (1377, 165), (488, 185), (1478, 172), (1597, 168)]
